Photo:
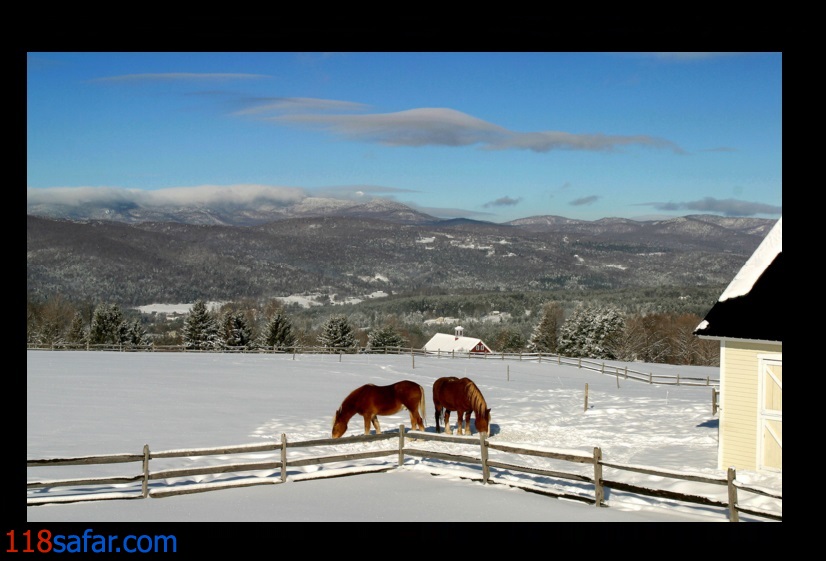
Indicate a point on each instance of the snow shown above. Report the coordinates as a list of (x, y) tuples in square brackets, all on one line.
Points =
[(179, 309), (82, 403), (762, 257), (441, 321), (303, 300)]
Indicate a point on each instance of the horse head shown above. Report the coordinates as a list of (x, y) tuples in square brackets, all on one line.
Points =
[(339, 424), (483, 422)]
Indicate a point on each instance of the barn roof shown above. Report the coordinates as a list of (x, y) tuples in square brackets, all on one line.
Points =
[(749, 307), (446, 343)]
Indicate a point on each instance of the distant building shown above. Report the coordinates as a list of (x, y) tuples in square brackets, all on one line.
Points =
[(456, 343)]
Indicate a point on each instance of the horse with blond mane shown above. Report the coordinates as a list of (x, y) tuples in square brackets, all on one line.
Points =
[(463, 396), (371, 400)]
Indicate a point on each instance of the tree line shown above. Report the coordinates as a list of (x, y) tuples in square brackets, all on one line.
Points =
[(595, 330)]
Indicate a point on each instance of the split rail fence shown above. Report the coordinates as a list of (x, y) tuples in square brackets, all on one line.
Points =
[(93, 488), (620, 372)]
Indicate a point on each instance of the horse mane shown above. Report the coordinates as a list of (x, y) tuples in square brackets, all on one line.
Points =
[(352, 396), (475, 397)]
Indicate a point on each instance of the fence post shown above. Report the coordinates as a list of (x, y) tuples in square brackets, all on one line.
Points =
[(283, 457), (145, 484), (603, 369), (586, 397), (599, 490), (401, 445), (294, 353), (713, 401), (650, 378), (484, 453), (540, 357), (559, 360), (678, 378), (733, 515), (579, 362), (626, 372)]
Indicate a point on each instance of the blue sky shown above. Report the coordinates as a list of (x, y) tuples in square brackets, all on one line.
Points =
[(487, 135)]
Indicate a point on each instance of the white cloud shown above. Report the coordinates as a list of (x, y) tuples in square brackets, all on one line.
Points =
[(202, 195)]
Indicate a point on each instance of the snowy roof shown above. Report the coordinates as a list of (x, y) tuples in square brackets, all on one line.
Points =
[(446, 343), (749, 307)]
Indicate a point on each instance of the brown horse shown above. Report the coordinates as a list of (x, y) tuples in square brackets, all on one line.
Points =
[(460, 395), (371, 400)]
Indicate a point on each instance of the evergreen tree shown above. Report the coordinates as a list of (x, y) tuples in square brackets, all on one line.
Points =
[(235, 330), (201, 329), (77, 330), (32, 328), (136, 335), (589, 331), (278, 333), (337, 334), (509, 340), (50, 334), (108, 326), (384, 337), (545, 335)]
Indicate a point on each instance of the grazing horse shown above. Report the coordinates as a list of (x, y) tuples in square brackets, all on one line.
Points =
[(460, 395), (371, 400)]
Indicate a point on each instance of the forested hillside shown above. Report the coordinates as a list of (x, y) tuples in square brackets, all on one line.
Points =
[(538, 283), (145, 263)]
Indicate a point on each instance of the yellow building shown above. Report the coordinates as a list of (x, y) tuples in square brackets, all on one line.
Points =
[(746, 319)]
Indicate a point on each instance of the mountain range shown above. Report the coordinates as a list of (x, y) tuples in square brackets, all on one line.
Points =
[(134, 255)]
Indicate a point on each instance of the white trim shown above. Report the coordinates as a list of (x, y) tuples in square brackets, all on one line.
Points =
[(721, 408), (724, 338), (763, 414)]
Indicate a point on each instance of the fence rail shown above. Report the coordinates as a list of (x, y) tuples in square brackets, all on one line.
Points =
[(620, 372), (92, 486)]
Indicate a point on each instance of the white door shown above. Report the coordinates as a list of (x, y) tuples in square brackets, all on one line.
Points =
[(770, 454)]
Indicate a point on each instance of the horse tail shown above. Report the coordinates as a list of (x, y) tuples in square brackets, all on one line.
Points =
[(422, 406)]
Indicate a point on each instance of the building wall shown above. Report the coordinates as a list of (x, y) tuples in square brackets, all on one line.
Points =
[(739, 402)]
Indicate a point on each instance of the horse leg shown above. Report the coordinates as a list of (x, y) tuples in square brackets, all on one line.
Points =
[(415, 420), (367, 420), (467, 423), (448, 430), (438, 415), (376, 424), (460, 417)]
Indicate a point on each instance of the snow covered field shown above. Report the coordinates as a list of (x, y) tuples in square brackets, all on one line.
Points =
[(96, 403)]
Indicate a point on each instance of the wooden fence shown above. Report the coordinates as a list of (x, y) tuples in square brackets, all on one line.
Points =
[(488, 459), (620, 372)]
